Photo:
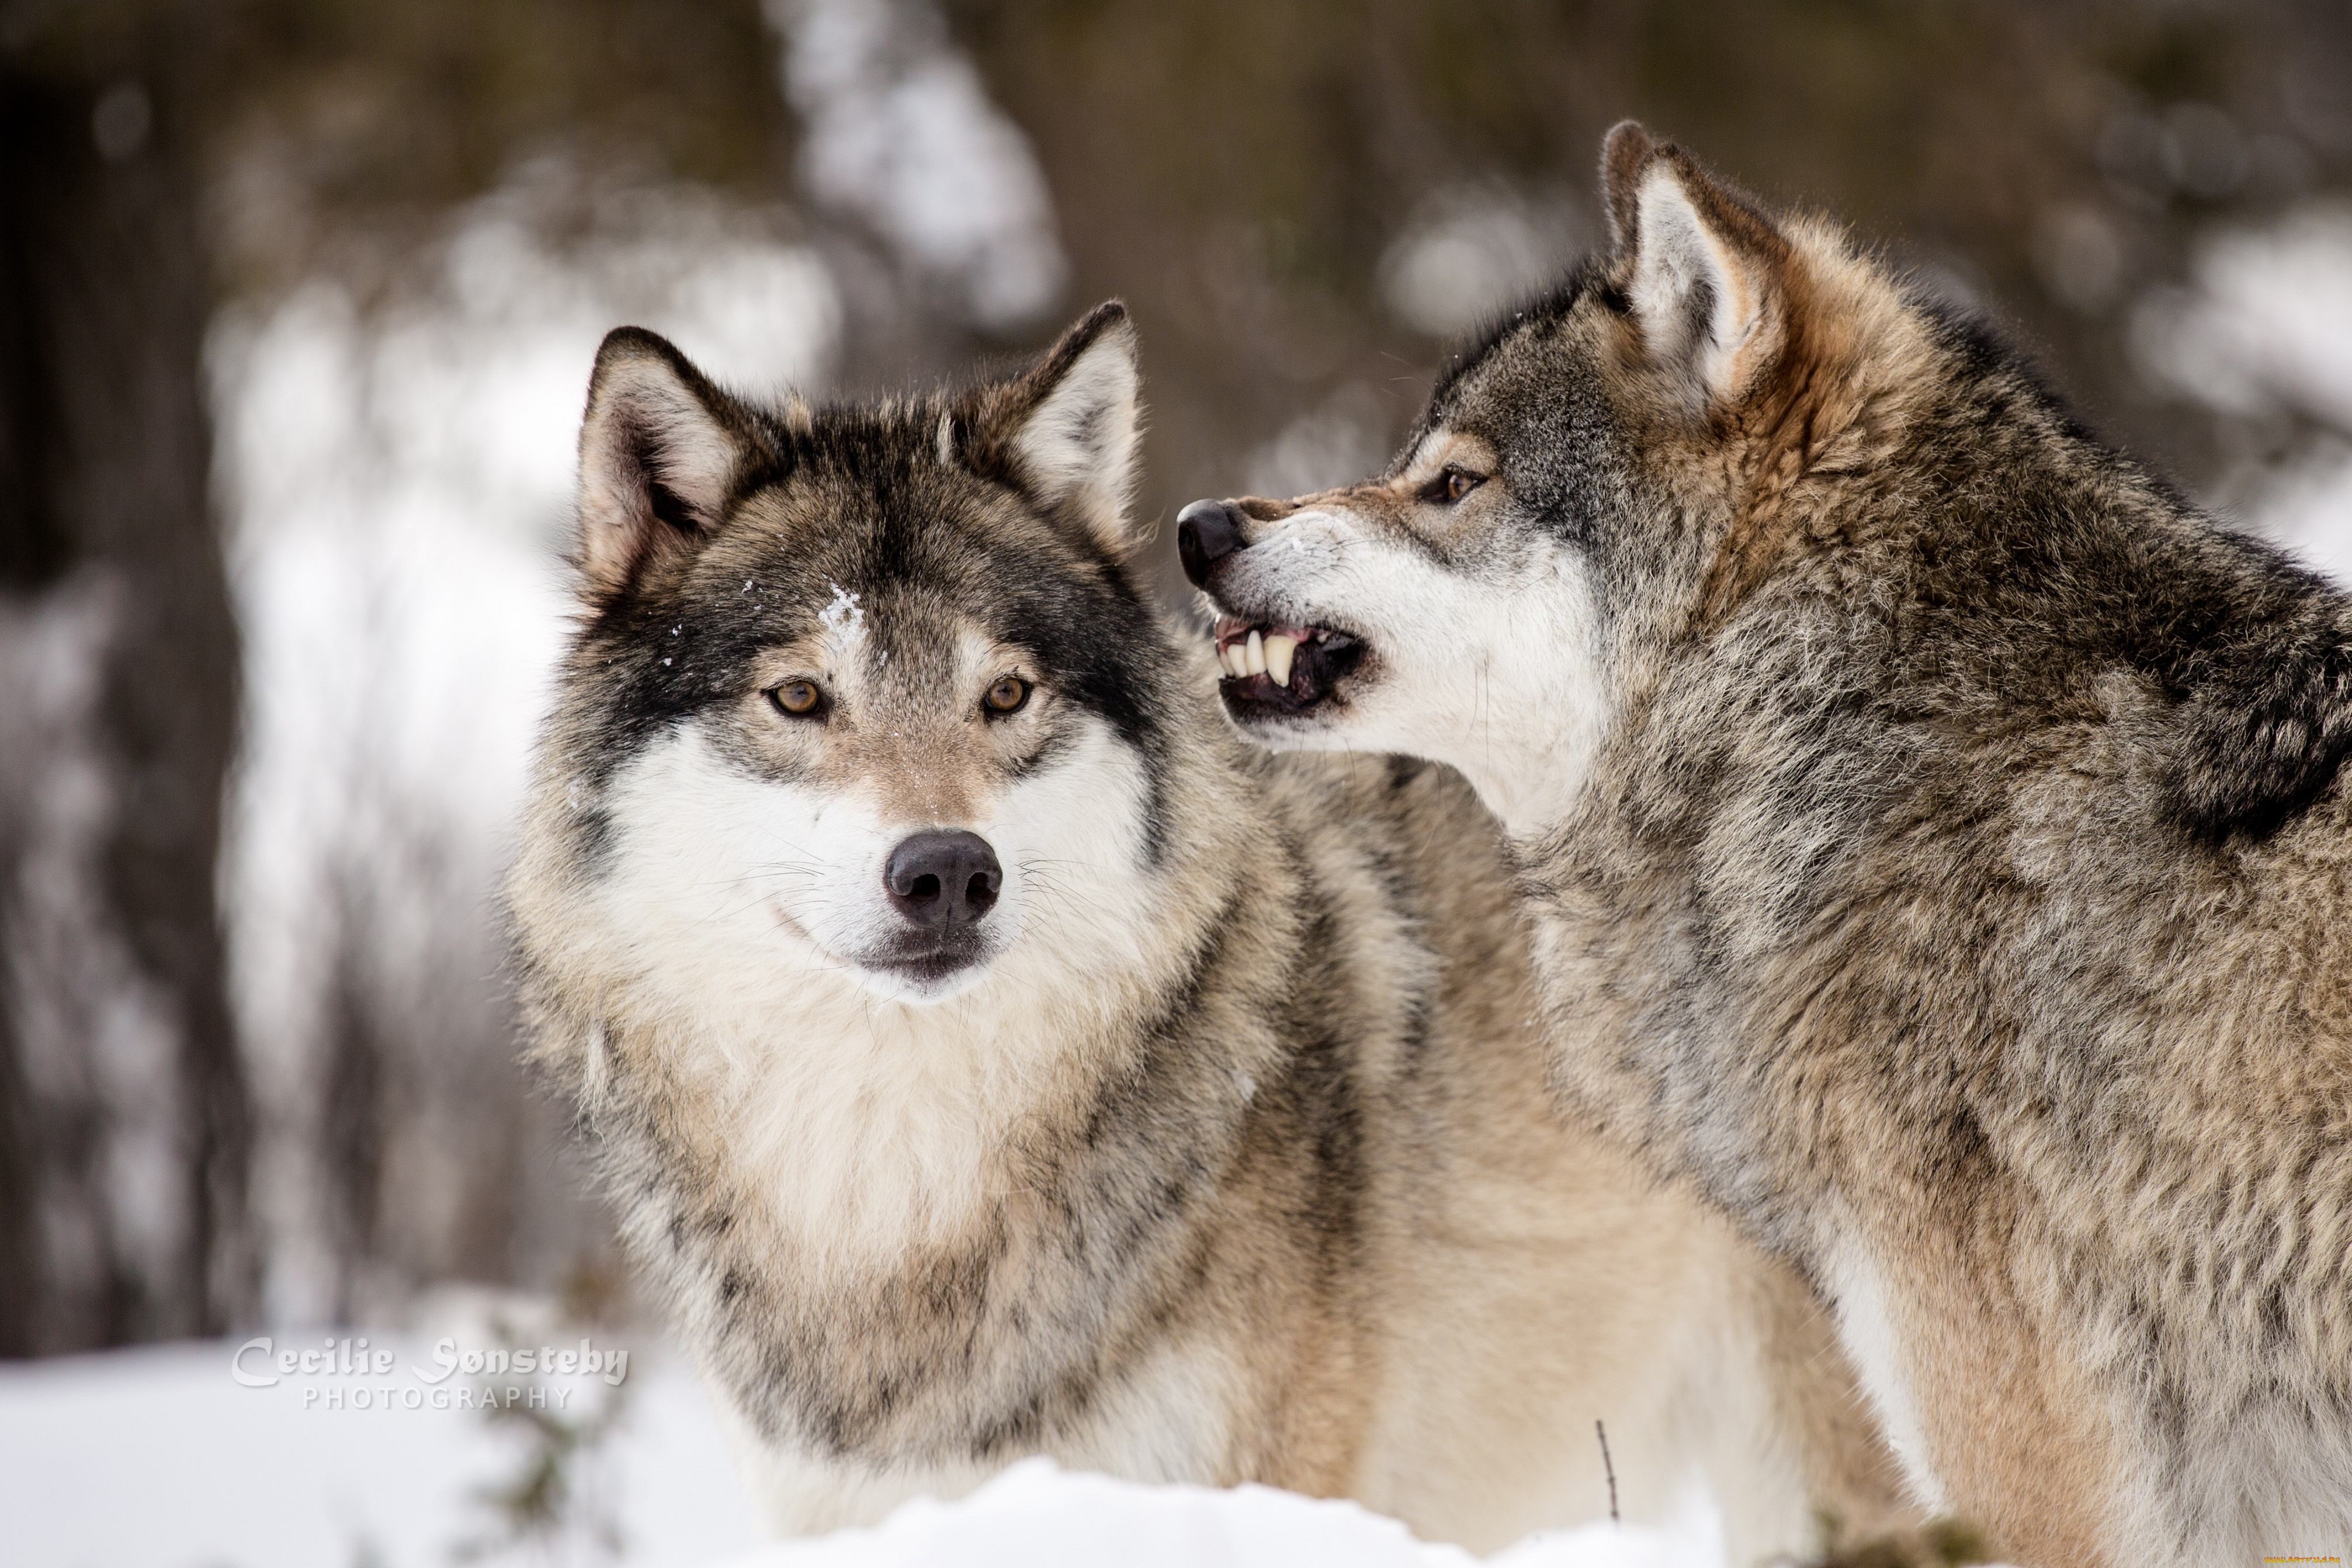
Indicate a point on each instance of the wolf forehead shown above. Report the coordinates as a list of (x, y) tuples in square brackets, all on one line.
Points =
[(1514, 345), (858, 501), (1529, 386), (852, 525)]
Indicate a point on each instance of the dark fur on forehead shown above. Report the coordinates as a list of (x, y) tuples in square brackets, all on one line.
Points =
[(1533, 319), (875, 506), (1547, 428)]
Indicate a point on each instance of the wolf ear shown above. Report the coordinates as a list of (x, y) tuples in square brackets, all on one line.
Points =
[(661, 451), (1704, 271), (1068, 431)]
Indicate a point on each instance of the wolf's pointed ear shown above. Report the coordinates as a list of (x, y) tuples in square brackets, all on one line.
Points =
[(1068, 431), (661, 451), (1704, 271)]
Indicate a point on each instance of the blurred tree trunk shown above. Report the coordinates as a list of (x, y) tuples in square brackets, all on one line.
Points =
[(124, 1120)]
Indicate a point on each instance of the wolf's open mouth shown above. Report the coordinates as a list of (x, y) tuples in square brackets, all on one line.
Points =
[(1281, 668)]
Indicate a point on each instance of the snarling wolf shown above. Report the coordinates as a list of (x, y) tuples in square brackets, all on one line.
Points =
[(1936, 835), (991, 1055)]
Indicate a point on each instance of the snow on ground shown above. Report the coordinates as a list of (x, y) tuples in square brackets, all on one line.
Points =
[(157, 1457), (1035, 1516), (161, 1458)]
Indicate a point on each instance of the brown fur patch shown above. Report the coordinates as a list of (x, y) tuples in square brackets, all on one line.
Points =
[(1819, 355)]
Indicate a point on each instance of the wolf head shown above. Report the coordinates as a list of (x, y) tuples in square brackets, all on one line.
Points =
[(1714, 453), (862, 699), (1476, 602)]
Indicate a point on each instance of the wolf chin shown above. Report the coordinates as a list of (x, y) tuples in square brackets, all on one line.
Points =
[(1936, 835), (990, 1055)]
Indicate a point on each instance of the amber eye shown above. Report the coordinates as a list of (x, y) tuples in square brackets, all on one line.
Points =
[(1009, 695), (800, 699), (1452, 485)]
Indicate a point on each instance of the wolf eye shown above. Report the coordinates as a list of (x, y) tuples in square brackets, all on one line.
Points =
[(800, 699), (1009, 695), (1451, 486)]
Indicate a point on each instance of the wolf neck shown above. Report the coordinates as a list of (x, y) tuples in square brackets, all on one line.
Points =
[(1534, 789)]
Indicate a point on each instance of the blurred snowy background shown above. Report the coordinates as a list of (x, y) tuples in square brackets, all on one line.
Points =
[(297, 299)]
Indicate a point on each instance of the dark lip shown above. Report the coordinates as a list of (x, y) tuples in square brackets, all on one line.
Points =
[(926, 967)]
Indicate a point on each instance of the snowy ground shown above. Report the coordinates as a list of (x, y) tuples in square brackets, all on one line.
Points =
[(1035, 1516), (157, 1457), (160, 1457)]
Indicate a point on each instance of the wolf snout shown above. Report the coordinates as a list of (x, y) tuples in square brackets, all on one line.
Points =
[(1206, 532), (943, 881)]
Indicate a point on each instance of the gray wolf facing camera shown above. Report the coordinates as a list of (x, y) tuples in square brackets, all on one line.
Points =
[(990, 1054), (1937, 839)]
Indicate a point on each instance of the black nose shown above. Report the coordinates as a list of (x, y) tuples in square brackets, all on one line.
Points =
[(1206, 532), (943, 881)]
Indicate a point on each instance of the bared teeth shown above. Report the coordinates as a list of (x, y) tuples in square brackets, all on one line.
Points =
[(1244, 648)]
